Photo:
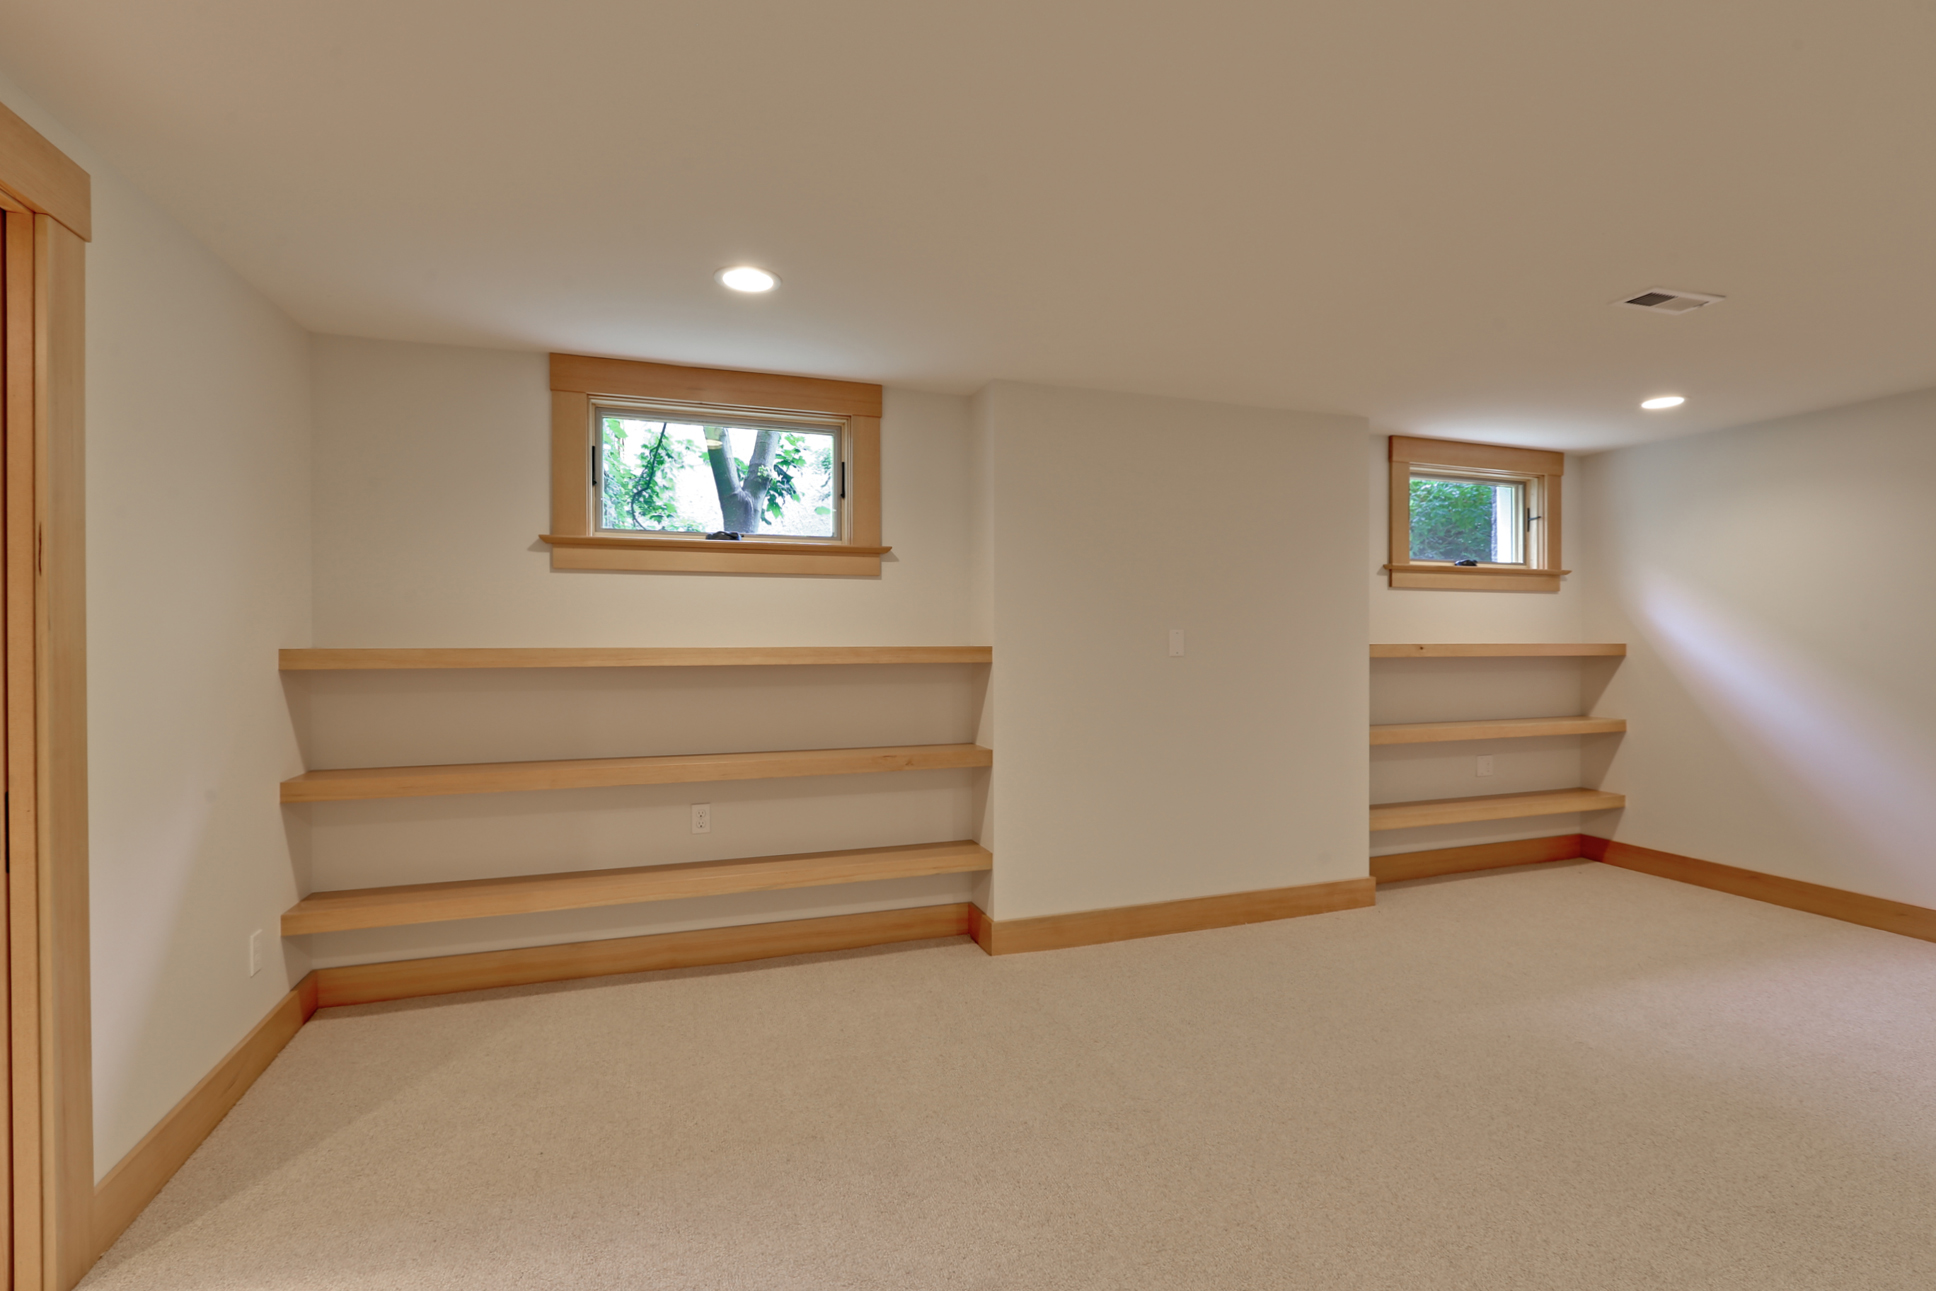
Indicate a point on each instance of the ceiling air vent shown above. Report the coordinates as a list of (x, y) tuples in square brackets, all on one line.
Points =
[(1665, 300)]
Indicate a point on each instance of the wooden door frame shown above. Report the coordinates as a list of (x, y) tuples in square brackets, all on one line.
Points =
[(45, 205)]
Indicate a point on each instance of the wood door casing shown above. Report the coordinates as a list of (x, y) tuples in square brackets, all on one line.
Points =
[(16, 664), (50, 1182), (48, 1185)]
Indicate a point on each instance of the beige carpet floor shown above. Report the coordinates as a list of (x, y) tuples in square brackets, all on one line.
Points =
[(1556, 1077)]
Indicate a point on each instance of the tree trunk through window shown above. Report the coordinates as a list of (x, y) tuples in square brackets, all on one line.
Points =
[(741, 497)]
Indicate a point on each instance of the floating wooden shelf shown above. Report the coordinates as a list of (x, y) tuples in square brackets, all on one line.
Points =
[(1498, 806), (329, 660), (592, 773), (582, 889), (1517, 650), (1497, 728)]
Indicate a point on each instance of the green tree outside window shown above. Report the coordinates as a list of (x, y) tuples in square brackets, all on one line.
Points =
[(1452, 520)]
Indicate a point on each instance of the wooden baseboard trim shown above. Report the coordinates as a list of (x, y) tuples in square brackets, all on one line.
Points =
[(408, 978), (1122, 923), (981, 928), (1479, 856), (138, 1176), (1836, 903)]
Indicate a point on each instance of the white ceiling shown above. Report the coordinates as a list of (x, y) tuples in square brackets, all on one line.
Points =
[(1405, 208)]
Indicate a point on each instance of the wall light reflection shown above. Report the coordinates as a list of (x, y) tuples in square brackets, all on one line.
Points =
[(1831, 743)]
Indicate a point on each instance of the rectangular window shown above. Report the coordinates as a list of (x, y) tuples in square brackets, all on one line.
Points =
[(1459, 517), (1474, 517), (668, 471), (660, 468)]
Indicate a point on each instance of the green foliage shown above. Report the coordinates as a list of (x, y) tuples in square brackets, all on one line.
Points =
[(780, 486), (1452, 520), (645, 498), (653, 468)]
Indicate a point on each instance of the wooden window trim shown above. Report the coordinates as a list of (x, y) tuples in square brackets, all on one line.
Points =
[(578, 381), (1546, 467)]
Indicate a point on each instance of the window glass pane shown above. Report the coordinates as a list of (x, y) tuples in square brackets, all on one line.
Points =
[(668, 476), (1455, 519)]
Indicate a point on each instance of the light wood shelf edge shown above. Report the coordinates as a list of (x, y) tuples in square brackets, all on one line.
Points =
[(379, 658), (595, 773), (1495, 728), (1501, 806), (415, 903), (1507, 650)]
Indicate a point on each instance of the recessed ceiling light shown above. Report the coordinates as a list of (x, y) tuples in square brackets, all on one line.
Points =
[(1661, 403), (744, 277)]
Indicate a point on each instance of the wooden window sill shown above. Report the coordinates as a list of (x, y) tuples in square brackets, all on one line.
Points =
[(701, 556), (1479, 578)]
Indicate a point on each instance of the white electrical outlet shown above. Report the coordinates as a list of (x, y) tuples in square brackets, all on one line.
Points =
[(702, 818), (1485, 765), (255, 952), (1176, 642)]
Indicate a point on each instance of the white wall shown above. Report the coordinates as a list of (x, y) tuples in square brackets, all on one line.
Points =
[(1125, 776), (1775, 584), (432, 486), (198, 569), (1445, 690)]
